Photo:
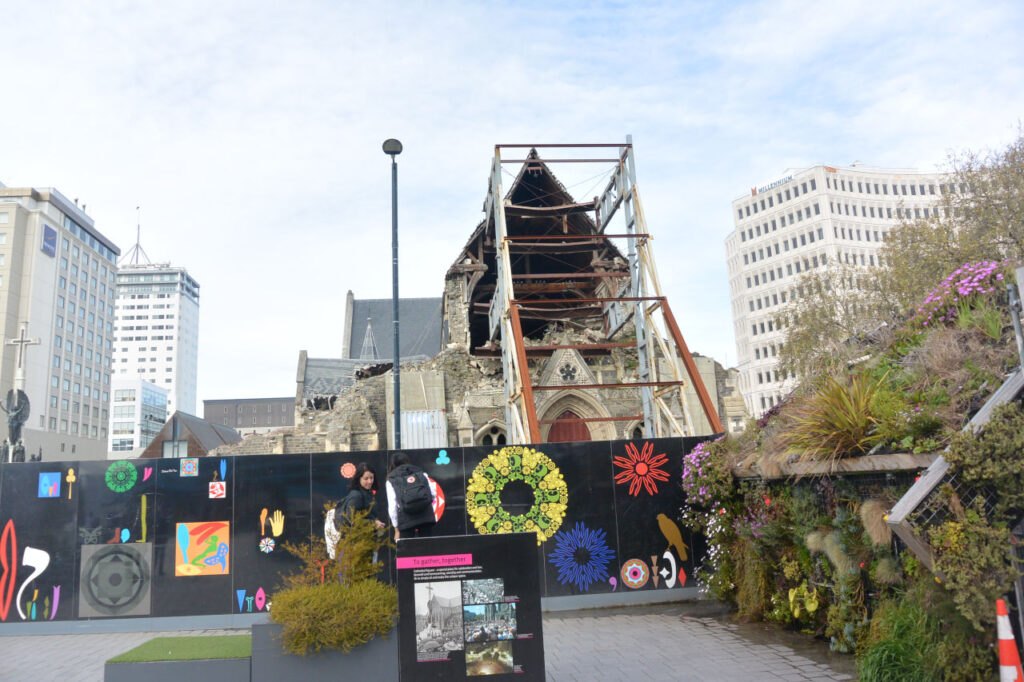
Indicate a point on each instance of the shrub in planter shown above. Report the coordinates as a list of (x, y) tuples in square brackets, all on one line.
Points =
[(335, 603), (334, 616)]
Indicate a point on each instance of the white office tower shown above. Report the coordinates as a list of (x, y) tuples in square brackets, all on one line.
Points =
[(809, 218), (138, 410), (157, 328), (57, 281)]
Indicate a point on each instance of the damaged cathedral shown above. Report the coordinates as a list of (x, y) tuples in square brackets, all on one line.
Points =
[(551, 327)]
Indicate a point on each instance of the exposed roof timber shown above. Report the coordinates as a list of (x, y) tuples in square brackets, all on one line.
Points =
[(545, 287), (521, 211), (576, 312), (575, 247), (568, 275)]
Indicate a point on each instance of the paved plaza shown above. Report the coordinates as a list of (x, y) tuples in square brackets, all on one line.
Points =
[(692, 642)]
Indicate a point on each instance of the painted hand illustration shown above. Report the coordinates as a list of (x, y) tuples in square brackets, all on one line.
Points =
[(277, 523)]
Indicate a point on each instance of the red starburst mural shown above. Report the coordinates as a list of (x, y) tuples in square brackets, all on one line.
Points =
[(641, 469)]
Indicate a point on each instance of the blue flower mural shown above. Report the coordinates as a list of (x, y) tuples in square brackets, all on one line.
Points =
[(581, 556)]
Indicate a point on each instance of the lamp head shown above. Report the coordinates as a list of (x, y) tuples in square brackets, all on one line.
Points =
[(392, 147)]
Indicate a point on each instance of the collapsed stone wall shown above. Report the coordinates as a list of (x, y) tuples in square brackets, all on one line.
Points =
[(474, 398)]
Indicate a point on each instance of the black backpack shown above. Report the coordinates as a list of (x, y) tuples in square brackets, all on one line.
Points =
[(414, 497)]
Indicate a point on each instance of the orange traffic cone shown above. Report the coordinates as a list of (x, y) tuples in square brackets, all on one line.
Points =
[(1009, 658)]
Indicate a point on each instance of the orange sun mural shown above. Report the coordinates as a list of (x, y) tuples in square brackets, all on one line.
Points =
[(641, 469)]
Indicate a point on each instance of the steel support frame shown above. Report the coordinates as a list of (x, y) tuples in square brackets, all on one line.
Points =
[(521, 419)]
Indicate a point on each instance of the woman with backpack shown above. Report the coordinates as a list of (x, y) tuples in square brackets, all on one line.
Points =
[(411, 496)]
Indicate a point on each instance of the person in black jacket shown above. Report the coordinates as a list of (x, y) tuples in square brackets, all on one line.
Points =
[(362, 495), (411, 498)]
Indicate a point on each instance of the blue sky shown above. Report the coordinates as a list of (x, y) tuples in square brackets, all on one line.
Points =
[(250, 132)]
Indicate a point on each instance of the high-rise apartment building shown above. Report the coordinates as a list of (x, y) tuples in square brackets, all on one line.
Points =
[(156, 335), (57, 290), (809, 218)]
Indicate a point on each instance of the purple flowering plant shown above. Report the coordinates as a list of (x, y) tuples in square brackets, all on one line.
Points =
[(963, 288), (705, 474)]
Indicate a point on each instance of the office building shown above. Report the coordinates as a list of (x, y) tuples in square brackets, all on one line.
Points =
[(809, 218), (138, 410), (156, 335), (57, 290)]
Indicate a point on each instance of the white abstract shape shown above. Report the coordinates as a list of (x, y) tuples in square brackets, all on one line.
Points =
[(331, 534), (38, 560), (670, 582)]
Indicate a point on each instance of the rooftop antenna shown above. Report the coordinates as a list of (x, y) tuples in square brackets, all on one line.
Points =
[(134, 253)]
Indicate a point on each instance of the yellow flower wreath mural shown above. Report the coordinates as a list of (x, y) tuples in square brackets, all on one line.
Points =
[(517, 463)]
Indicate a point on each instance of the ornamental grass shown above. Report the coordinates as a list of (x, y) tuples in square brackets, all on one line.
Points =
[(834, 420)]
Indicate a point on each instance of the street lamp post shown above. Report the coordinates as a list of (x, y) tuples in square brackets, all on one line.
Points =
[(393, 148)]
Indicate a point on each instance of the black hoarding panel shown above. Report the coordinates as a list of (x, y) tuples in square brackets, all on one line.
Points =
[(271, 507), (38, 541), (192, 557), (468, 606), (333, 475), (655, 552), (581, 557), (116, 503)]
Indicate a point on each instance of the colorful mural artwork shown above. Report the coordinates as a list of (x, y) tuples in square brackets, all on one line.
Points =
[(277, 523), (9, 563), (673, 535), (38, 560), (121, 476), (190, 466), (348, 470), (582, 556), (498, 470), (439, 500), (49, 484), (209, 543), (635, 573), (70, 478), (115, 580), (639, 468), (140, 538)]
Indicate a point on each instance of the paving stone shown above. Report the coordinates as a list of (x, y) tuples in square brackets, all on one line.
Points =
[(662, 642)]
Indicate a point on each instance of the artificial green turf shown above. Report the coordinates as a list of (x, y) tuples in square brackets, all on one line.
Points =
[(188, 649)]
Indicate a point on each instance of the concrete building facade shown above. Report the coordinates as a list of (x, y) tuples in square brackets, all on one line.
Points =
[(157, 330), (57, 284), (807, 219), (251, 415)]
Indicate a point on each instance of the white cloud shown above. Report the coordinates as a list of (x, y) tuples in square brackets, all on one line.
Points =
[(250, 132)]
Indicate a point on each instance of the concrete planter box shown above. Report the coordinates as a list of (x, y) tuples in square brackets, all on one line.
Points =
[(375, 660), (220, 669)]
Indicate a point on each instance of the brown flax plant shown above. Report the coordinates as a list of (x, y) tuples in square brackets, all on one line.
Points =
[(834, 420)]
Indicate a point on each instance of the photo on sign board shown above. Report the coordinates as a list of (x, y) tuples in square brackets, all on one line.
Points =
[(483, 591), (489, 622), (438, 619), (489, 658)]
